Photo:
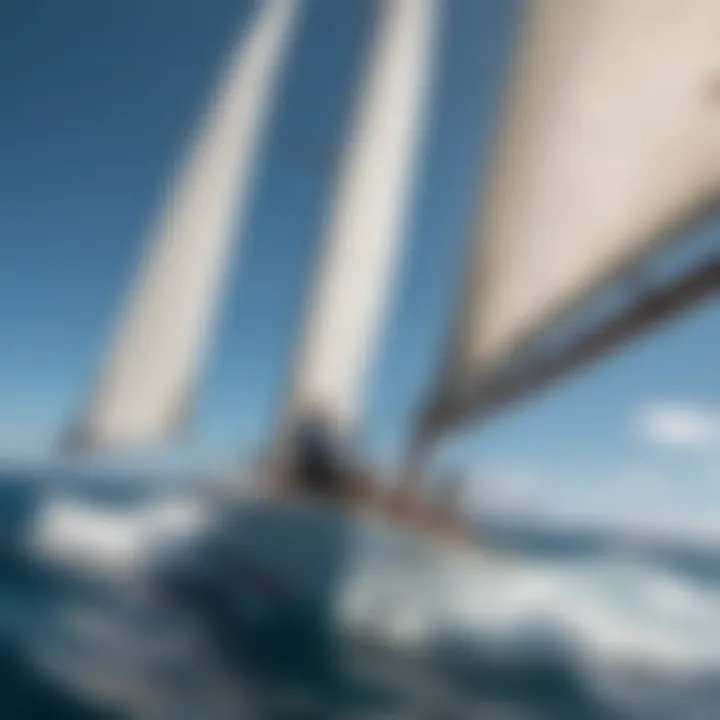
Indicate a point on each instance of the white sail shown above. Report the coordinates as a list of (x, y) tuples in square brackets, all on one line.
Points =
[(609, 138), (144, 390), (366, 220)]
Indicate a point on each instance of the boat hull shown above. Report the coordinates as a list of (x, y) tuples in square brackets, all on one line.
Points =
[(270, 559)]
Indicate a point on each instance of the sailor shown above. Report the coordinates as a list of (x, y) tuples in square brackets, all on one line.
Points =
[(318, 459)]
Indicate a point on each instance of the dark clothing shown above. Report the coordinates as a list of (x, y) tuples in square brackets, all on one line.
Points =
[(317, 463)]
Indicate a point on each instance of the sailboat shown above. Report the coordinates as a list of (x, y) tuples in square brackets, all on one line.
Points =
[(608, 146)]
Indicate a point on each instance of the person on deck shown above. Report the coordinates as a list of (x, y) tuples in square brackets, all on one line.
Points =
[(318, 466)]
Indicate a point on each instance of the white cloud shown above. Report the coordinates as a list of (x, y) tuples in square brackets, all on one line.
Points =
[(677, 501), (682, 425), (504, 487)]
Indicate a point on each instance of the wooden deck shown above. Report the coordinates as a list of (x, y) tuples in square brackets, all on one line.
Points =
[(361, 493)]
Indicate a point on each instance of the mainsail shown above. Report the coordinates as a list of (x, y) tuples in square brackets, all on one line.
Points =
[(609, 141), (144, 392), (365, 226)]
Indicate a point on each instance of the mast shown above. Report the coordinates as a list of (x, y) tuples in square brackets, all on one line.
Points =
[(366, 223), (609, 145), (145, 389)]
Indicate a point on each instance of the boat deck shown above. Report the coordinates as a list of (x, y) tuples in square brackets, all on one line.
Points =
[(363, 495)]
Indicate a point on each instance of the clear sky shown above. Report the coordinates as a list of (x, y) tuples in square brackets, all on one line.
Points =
[(95, 102)]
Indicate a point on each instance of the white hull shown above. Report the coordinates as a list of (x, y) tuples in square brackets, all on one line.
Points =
[(269, 557)]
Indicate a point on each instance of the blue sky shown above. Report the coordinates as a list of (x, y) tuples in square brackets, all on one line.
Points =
[(95, 102)]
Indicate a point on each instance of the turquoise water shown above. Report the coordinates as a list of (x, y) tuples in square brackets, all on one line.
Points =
[(111, 609)]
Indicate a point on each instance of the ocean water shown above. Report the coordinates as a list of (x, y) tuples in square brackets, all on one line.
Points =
[(130, 600)]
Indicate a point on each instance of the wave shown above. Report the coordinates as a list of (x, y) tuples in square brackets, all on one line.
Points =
[(618, 636)]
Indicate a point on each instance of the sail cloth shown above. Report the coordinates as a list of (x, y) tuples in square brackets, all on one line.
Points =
[(144, 392), (366, 220), (609, 138)]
